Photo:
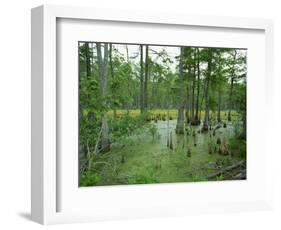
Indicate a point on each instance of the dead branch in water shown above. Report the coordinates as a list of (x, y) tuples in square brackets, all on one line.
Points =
[(228, 168)]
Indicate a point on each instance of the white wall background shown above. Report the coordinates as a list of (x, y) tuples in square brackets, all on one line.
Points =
[(15, 113)]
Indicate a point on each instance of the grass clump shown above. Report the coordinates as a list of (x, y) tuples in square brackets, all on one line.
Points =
[(89, 179), (197, 178), (142, 179)]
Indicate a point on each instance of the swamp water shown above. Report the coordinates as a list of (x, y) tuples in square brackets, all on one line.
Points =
[(142, 159)]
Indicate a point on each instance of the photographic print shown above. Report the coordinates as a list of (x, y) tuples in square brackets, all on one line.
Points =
[(161, 114)]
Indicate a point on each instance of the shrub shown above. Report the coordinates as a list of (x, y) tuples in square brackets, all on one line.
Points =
[(211, 146), (237, 129), (126, 125), (238, 147), (152, 130), (142, 179), (220, 177), (89, 179), (197, 178)]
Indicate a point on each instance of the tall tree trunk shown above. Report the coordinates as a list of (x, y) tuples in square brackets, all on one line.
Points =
[(89, 67), (188, 95), (208, 77), (141, 80), (219, 105), (219, 90), (244, 117), (244, 130), (231, 87), (180, 120), (112, 74), (202, 99), (193, 122), (92, 57), (91, 115), (198, 87), (153, 102), (187, 106), (129, 80), (102, 64), (88, 60), (230, 99), (145, 91)]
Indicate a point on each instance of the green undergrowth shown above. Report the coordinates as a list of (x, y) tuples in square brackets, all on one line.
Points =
[(141, 158)]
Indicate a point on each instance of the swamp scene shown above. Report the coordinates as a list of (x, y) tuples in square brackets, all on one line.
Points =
[(160, 114)]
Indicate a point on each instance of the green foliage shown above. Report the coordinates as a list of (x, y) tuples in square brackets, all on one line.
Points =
[(237, 128), (198, 178), (142, 179), (212, 148), (238, 147), (89, 179), (220, 177), (126, 125), (173, 77), (89, 130)]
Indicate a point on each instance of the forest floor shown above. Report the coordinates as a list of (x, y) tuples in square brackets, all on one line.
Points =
[(142, 159)]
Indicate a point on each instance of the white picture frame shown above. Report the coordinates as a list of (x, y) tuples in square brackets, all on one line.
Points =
[(46, 165)]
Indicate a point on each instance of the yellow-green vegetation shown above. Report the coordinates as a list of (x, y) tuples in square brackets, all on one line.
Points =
[(173, 113), (136, 112)]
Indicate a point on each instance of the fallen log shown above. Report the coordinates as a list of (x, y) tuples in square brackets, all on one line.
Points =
[(241, 175), (228, 168)]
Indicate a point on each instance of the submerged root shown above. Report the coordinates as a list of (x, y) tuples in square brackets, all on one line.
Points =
[(180, 128), (224, 149), (205, 127), (171, 141), (188, 154)]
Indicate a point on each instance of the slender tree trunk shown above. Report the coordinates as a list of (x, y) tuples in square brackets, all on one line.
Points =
[(193, 122), (141, 80), (230, 99), (168, 128), (127, 53), (180, 120), (244, 117), (202, 100), (188, 113), (112, 74), (129, 80), (198, 87), (208, 77), (91, 115), (190, 93), (88, 60), (219, 105), (145, 91), (231, 87), (102, 64), (244, 131), (92, 57), (219, 90), (88, 74), (153, 101), (187, 106)]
